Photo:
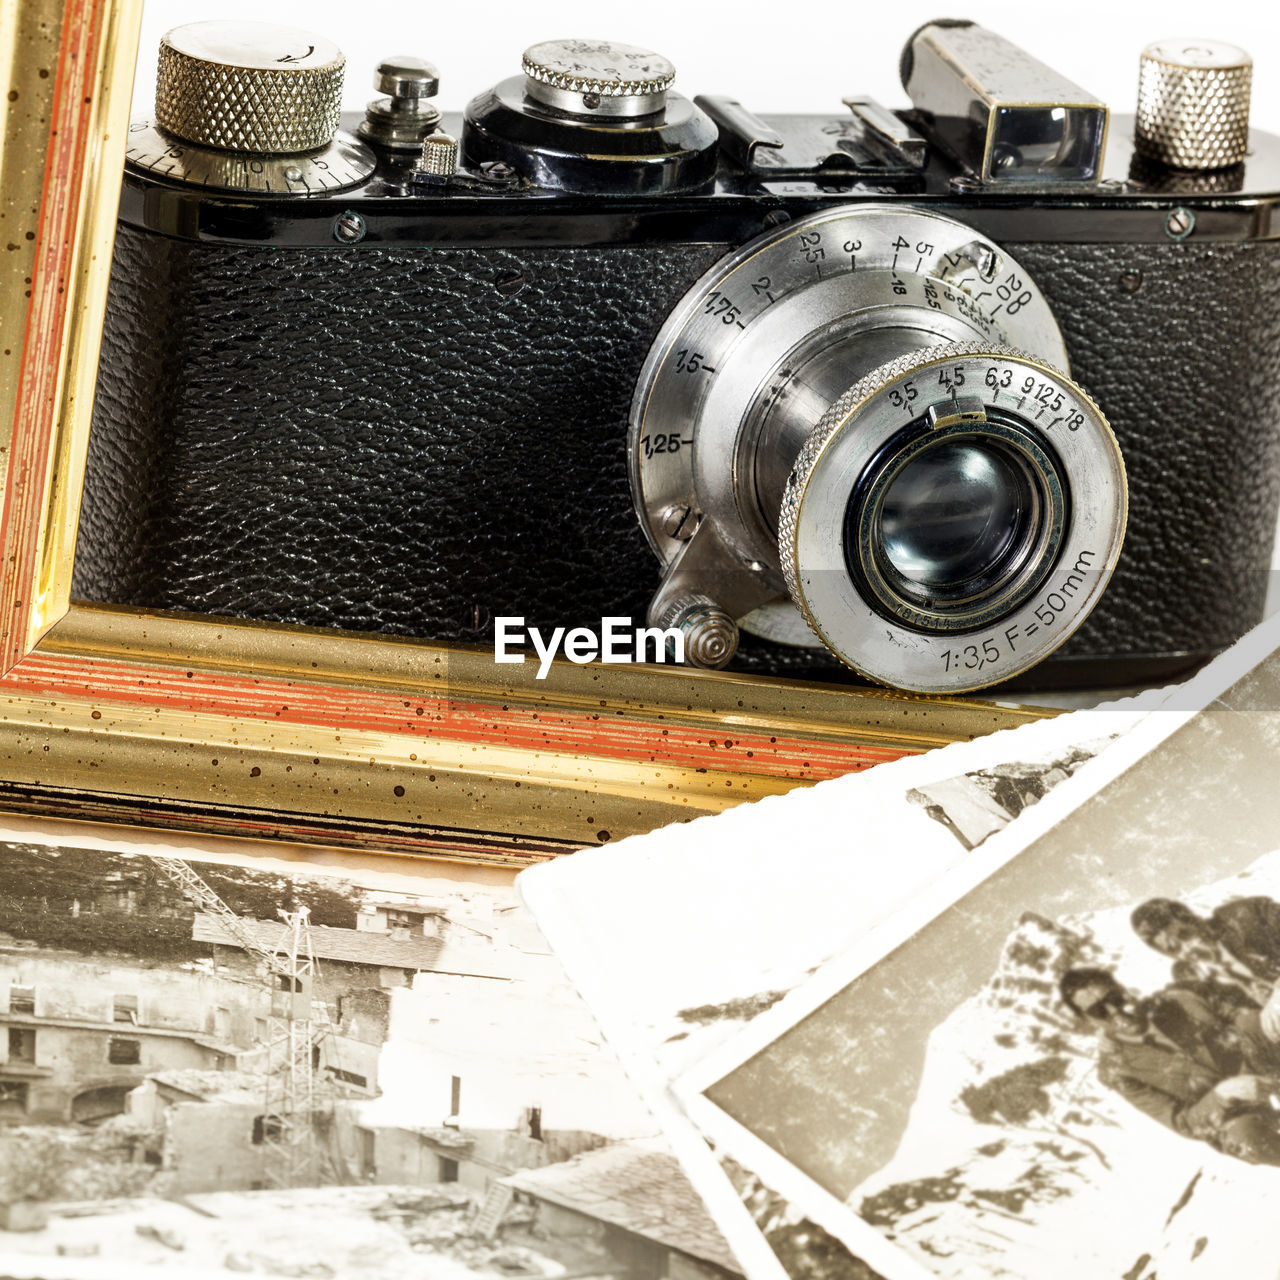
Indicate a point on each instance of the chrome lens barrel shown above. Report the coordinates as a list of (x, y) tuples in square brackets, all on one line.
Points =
[(1020, 557), (803, 456)]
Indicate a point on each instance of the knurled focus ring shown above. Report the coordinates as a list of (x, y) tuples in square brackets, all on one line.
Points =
[(1193, 117), (247, 109)]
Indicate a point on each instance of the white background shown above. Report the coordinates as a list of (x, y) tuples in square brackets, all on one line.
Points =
[(782, 56)]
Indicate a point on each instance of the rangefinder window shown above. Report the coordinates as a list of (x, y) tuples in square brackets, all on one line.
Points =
[(1033, 144)]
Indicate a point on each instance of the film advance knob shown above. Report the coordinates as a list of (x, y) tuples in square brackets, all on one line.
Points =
[(249, 86), (1193, 103), (597, 77)]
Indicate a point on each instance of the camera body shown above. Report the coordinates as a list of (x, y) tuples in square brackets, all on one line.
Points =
[(410, 404)]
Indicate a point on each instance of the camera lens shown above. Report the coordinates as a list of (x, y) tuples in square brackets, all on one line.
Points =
[(948, 528), (954, 516)]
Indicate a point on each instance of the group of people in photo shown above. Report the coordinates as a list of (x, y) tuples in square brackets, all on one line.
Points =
[(1202, 1054)]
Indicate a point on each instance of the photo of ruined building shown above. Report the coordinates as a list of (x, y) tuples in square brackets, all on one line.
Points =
[(295, 1074)]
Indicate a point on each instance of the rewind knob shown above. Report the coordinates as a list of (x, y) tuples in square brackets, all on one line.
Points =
[(1193, 103)]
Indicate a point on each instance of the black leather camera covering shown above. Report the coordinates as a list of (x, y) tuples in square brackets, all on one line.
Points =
[(414, 440)]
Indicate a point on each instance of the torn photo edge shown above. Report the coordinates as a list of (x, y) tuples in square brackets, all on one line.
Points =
[(1178, 707), (570, 896)]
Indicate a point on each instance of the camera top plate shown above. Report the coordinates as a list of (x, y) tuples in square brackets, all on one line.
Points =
[(1130, 205)]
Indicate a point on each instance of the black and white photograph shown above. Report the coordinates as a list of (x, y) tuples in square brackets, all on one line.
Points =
[(210, 1064), (749, 926), (1071, 1064)]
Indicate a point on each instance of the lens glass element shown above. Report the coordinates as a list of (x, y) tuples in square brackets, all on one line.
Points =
[(953, 514), (953, 525)]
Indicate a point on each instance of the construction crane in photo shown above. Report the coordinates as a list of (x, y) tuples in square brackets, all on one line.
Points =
[(298, 1025)]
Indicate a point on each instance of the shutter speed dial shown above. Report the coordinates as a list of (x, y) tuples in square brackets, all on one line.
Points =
[(249, 106), (594, 116)]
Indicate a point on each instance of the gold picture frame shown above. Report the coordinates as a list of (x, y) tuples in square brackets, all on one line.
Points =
[(215, 725)]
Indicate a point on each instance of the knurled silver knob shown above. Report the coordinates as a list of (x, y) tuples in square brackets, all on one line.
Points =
[(439, 157), (710, 634), (1193, 103), (597, 77), (249, 86)]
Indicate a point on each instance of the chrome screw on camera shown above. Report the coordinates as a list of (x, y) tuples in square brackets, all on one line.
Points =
[(349, 227)]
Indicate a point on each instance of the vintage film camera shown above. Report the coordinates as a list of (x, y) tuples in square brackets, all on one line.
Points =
[(879, 388)]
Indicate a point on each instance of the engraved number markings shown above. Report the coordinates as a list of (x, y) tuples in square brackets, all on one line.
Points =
[(341, 164), (919, 267), (668, 442), (1000, 645)]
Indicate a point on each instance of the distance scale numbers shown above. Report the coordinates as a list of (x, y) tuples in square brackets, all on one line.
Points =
[(665, 442), (820, 252), (905, 257), (918, 272)]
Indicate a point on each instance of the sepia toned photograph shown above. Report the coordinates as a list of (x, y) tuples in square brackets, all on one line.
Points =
[(1073, 1067), (217, 1066)]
